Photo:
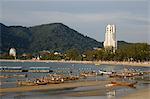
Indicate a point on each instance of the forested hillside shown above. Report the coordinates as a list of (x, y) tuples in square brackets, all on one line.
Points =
[(51, 37)]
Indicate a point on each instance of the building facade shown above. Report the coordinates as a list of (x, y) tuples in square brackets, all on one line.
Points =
[(110, 38)]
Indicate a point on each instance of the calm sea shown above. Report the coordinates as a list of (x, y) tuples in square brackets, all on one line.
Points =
[(65, 68)]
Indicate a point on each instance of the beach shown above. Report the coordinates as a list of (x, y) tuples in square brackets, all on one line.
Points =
[(90, 87), (53, 86), (141, 94), (147, 64)]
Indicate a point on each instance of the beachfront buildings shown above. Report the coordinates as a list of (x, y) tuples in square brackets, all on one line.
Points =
[(110, 38)]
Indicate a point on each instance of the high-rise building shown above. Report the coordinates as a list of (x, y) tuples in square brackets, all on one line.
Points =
[(110, 38)]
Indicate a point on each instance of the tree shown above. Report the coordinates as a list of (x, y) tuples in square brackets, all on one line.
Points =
[(72, 54)]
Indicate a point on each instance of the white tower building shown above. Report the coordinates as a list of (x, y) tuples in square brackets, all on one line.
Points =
[(110, 37)]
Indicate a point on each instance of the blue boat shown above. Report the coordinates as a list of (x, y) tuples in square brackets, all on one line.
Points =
[(10, 69)]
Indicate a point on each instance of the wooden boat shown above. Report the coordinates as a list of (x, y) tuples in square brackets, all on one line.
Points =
[(88, 74), (112, 84), (54, 82), (41, 83), (123, 75), (52, 79), (70, 78), (124, 83), (74, 77), (26, 83), (127, 73)]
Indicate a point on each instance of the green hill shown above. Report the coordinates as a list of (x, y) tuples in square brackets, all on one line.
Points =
[(51, 37)]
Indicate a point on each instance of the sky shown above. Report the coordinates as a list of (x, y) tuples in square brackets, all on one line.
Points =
[(88, 17)]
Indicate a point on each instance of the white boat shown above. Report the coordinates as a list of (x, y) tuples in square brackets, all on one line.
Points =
[(104, 72)]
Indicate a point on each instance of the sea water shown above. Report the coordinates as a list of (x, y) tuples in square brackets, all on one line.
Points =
[(100, 92)]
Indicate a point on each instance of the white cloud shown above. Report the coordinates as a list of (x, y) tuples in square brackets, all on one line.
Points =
[(91, 24), (38, 17)]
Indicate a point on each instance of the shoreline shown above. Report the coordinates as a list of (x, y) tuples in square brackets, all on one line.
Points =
[(53, 86), (147, 64), (140, 94)]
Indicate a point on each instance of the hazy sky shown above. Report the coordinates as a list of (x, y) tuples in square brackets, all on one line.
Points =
[(89, 17)]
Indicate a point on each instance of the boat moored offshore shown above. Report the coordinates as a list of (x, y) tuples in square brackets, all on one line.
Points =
[(40, 69), (10, 69)]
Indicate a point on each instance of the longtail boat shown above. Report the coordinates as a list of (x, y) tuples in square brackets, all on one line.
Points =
[(26, 83), (112, 84), (88, 74), (41, 83)]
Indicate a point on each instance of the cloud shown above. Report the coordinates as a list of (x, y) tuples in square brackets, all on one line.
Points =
[(91, 24), (37, 17)]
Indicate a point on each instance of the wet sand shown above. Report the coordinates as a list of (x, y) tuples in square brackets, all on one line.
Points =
[(141, 94), (53, 86), (87, 93), (147, 64)]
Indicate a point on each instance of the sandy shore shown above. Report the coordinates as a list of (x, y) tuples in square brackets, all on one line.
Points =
[(147, 64), (53, 86), (141, 94)]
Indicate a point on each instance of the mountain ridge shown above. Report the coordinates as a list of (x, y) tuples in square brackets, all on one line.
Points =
[(53, 37)]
